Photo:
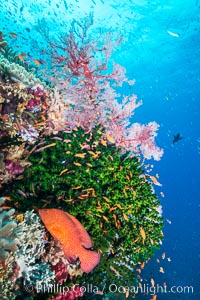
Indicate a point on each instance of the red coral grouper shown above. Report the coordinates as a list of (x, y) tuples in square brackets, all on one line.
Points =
[(72, 235)]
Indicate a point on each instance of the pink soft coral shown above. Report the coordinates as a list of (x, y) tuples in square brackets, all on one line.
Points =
[(14, 167), (61, 272), (89, 82)]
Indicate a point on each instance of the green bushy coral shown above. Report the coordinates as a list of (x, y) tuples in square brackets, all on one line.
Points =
[(110, 195)]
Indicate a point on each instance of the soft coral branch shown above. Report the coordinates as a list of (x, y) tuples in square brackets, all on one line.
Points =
[(83, 73)]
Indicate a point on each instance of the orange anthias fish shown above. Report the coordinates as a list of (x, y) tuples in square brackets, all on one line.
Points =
[(72, 235), (14, 35)]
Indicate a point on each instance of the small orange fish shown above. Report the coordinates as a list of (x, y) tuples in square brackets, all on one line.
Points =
[(72, 235), (118, 205), (21, 57), (88, 164), (155, 181), (103, 142), (154, 297), (142, 265), (40, 124), (77, 164), (14, 35), (47, 146), (111, 157), (110, 139), (76, 187), (94, 155), (105, 198), (37, 62), (63, 171), (142, 233), (151, 241), (81, 155), (6, 207), (105, 218), (125, 217)]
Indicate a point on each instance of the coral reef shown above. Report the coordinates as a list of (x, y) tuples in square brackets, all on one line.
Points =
[(22, 121), (57, 112), (36, 265), (31, 251), (22, 109), (69, 145), (24, 265)]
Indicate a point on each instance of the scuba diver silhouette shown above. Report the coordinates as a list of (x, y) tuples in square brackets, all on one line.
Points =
[(177, 138)]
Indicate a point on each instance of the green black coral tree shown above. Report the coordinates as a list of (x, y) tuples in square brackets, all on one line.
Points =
[(108, 192)]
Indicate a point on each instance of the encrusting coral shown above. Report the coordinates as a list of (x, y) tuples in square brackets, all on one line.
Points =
[(37, 261), (18, 73), (9, 233), (24, 265), (31, 251)]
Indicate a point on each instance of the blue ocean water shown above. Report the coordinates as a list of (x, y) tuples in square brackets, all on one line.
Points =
[(161, 51)]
